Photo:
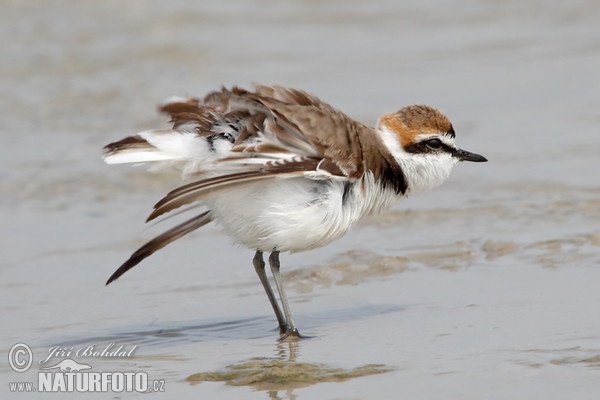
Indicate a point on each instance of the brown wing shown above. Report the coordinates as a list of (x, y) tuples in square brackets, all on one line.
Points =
[(282, 131), (335, 136), (285, 120)]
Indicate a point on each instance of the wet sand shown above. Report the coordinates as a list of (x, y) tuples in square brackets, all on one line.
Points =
[(486, 287)]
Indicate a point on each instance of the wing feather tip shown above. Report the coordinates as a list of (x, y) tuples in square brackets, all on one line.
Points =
[(159, 242), (131, 262), (114, 276)]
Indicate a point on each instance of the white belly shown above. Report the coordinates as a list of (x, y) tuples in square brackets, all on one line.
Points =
[(294, 214)]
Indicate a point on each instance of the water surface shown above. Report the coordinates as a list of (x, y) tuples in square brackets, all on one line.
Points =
[(484, 288)]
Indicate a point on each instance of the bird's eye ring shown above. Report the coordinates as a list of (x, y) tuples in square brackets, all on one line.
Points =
[(434, 144)]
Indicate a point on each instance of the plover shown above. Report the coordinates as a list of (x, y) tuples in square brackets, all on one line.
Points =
[(282, 171)]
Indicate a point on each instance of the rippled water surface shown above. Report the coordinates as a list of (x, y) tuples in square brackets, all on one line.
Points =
[(486, 287)]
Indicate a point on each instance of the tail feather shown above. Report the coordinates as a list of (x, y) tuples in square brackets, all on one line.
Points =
[(201, 134), (133, 149), (186, 151)]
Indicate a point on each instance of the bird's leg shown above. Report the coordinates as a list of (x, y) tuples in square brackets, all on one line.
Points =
[(259, 266), (291, 329)]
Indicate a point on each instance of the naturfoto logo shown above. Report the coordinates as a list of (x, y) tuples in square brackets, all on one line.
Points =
[(68, 375)]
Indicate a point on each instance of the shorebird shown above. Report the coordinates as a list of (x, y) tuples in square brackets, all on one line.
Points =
[(282, 171)]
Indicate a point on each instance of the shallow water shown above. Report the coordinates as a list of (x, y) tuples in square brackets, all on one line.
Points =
[(484, 288)]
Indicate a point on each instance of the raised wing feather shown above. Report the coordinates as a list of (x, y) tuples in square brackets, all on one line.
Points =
[(278, 132), (195, 191)]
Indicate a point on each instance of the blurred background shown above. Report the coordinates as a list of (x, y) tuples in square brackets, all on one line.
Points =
[(485, 287)]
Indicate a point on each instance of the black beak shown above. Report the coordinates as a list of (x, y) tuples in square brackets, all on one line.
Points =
[(464, 155)]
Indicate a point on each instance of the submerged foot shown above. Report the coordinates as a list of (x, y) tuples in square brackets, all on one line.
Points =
[(291, 334)]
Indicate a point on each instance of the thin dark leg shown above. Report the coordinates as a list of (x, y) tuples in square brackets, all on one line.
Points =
[(291, 327), (259, 266)]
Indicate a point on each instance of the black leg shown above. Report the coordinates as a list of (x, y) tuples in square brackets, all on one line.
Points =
[(291, 327), (259, 266)]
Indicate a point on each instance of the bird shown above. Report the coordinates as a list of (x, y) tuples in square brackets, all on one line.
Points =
[(282, 171)]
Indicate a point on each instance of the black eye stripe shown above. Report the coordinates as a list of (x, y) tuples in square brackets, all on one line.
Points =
[(421, 147)]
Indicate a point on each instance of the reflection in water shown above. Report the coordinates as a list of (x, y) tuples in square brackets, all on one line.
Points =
[(283, 373), (288, 350), (289, 395)]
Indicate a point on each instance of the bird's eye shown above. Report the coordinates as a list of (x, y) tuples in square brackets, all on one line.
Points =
[(434, 144)]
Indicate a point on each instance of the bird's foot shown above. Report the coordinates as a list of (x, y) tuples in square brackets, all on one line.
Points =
[(291, 334)]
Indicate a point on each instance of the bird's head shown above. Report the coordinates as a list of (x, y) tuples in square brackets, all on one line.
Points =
[(422, 141)]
